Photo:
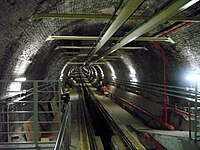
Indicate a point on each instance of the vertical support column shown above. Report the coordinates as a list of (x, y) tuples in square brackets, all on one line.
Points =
[(165, 89), (35, 109), (59, 101), (69, 126), (5, 118), (195, 105), (8, 122), (190, 130)]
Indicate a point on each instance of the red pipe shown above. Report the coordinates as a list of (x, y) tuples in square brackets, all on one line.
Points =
[(175, 29), (165, 100), (153, 142), (163, 51)]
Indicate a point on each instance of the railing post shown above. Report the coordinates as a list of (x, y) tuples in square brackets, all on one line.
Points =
[(59, 102), (35, 109), (190, 130), (8, 122), (69, 126), (195, 112)]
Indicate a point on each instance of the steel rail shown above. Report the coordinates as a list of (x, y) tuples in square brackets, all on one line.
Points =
[(110, 121), (90, 130)]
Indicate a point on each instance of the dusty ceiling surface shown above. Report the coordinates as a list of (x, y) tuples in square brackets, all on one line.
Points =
[(32, 42)]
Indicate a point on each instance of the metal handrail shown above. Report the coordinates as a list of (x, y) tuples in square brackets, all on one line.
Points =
[(40, 87), (30, 105), (153, 85), (174, 91), (61, 135)]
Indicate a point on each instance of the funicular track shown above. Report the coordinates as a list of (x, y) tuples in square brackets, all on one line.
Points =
[(86, 117), (104, 124)]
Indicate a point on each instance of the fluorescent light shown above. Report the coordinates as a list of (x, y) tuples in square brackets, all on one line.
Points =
[(192, 2), (21, 79), (102, 74), (193, 77), (112, 71)]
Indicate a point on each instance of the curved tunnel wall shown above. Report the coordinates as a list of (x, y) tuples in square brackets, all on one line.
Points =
[(23, 42), (147, 64)]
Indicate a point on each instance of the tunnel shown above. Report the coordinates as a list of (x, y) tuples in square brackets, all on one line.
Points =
[(64, 62)]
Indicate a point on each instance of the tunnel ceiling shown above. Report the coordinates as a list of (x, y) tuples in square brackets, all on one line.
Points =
[(26, 48)]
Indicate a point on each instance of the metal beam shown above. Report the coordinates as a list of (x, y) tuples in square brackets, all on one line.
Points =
[(81, 63), (69, 53), (113, 56), (158, 39), (122, 17), (50, 38), (73, 47), (77, 54), (107, 59), (155, 20), (124, 48), (70, 16), (84, 55), (163, 39), (89, 47), (144, 48), (103, 17)]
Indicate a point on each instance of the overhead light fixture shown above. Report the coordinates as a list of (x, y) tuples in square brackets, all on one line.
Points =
[(21, 79)]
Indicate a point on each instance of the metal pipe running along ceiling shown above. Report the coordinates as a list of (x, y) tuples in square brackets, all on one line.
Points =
[(124, 14), (89, 47), (154, 21)]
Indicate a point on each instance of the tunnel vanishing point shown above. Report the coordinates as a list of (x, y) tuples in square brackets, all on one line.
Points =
[(100, 74)]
